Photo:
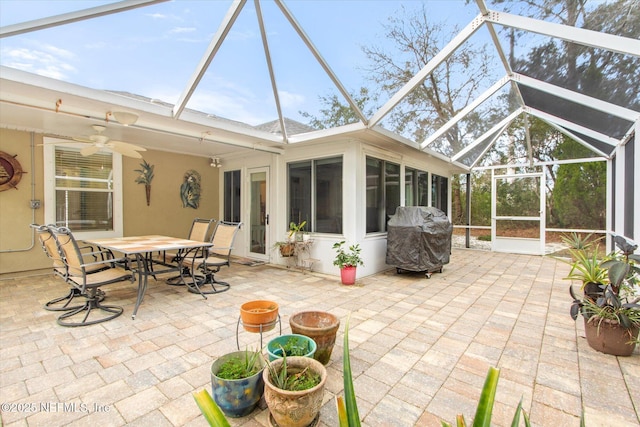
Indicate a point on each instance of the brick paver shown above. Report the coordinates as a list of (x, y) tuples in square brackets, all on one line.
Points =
[(420, 348)]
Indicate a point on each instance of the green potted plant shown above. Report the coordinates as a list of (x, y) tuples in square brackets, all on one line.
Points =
[(294, 388), (587, 268), (612, 320), (296, 230), (291, 345), (236, 382), (287, 249), (347, 260)]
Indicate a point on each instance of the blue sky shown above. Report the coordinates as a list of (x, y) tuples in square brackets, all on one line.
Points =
[(153, 51)]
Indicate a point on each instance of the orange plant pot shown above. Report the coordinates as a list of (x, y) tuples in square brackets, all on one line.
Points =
[(259, 315)]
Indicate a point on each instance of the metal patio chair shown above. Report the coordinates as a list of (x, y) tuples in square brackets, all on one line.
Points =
[(50, 247), (79, 274), (217, 256), (199, 231)]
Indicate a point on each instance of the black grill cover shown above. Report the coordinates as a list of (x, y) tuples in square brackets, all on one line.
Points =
[(418, 238)]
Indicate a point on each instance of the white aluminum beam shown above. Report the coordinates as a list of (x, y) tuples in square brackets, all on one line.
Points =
[(272, 76), (67, 18), (504, 122), (636, 186), (572, 126), (213, 48), (321, 60), (466, 110), (596, 39), (440, 57), (578, 98)]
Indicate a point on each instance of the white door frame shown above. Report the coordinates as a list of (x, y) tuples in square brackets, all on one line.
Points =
[(530, 246)]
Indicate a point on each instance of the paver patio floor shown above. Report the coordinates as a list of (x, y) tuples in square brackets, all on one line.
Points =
[(420, 348)]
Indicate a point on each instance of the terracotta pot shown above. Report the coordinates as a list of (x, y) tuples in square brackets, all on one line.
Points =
[(609, 337), (236, 398), (287, 250), (348, 275), (321, 327), (259, 315), (295, 408)]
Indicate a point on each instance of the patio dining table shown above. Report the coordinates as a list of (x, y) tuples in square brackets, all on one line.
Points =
[(141, 247)]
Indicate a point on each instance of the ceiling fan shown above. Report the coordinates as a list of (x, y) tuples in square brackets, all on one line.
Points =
[(99, 141)]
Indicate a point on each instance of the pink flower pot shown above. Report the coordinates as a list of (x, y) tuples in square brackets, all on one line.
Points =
[(348, 275)]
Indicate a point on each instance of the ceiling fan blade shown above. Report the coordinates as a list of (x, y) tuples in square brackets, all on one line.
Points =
[(126, 145), (124, 150), (89, 150), (82, 139), (70, 143)]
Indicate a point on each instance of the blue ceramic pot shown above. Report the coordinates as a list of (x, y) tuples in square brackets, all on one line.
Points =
[(298, 341), (236, 398)]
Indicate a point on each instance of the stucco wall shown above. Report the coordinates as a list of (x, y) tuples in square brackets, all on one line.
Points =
[(21, 254)]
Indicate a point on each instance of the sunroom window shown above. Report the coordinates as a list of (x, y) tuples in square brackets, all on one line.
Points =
[(315, 194), (232, 196), (383, 193), (416, 187)]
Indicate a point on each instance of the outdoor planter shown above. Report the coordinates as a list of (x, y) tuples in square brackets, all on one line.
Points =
[(348, 275), (237, 397), (293, 344), (319, 325), (611, 338), (294, 408), (259, 315)]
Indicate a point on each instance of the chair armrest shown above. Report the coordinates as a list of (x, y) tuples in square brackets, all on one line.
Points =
[(106, 261)]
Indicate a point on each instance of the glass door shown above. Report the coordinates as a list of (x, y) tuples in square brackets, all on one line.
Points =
[(258, 212)]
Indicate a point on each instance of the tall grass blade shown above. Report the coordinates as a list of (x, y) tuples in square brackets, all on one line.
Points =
[(349, 391), (487, 398), (342, 412), (212, 413)]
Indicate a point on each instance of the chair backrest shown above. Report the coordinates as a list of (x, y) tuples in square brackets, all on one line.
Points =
[(223, 238), (69, 250), (200, 229), (50, 248)]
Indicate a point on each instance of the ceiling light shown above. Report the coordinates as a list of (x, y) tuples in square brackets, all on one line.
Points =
[(125, 118)]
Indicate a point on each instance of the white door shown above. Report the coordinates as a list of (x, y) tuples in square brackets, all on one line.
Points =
[(258, 213), (518, 213)]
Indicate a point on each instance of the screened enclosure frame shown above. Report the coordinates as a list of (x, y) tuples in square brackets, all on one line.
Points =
[(617, 146)]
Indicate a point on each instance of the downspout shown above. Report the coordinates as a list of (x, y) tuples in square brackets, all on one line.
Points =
[(33, 195)]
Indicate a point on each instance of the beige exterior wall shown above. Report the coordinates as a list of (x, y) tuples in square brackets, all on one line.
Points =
[(20, 252)]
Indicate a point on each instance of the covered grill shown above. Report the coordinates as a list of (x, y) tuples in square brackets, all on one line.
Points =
[(419, 239)]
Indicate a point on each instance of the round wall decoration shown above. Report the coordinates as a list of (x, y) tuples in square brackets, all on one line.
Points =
[(10, 171)]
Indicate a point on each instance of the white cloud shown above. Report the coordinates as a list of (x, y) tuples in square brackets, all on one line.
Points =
[(291, 100), (182, 30), (48, 62)]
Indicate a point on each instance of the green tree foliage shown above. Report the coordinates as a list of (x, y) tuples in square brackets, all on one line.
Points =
[(338, 113), (579, 196)]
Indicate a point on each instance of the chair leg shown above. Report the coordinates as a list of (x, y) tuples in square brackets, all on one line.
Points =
[(210, 280), (91, 305), (63, 303)]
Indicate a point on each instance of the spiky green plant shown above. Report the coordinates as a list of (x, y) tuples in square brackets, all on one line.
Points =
[(145, 173), (210, 409), (348, 415)]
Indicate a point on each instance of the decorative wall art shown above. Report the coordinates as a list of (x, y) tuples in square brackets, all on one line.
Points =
[(190, 189), (10, 171), (145, 177)]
